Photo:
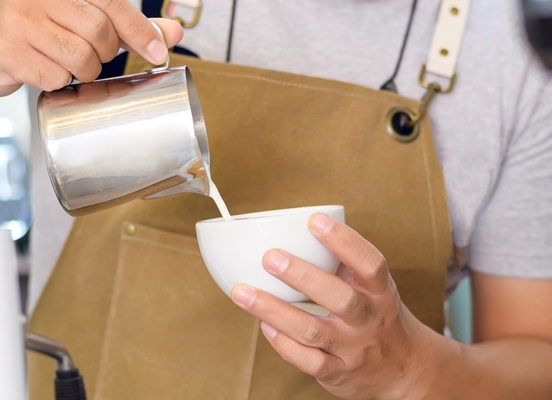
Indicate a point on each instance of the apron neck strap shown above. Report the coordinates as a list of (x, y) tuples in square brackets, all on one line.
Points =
[(447, 39), (444, 51)]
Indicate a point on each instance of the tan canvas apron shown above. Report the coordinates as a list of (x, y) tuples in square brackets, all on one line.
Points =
[(130, 296)]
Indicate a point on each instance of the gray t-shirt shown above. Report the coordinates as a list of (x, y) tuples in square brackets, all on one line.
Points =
[(493, 133)]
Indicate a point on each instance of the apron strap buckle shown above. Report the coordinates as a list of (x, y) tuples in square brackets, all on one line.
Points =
[(169, 6), (432, 88), (426, 85)]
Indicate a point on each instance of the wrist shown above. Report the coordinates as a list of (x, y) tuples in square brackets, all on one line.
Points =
[(430, 359), (439, 359)]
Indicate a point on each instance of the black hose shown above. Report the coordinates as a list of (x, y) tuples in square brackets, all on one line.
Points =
[(69, 385)]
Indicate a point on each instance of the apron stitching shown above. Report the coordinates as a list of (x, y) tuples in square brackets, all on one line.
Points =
[(106, 342), (296, 85), (159, 245), (430, 198)]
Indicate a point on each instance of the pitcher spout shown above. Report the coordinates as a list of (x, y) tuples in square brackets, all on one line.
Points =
[(198, 185)]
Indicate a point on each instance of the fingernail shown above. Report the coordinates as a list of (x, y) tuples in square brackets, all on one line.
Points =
[(157, 51), (277, 262), (269, 332), (244, 297), (321, 224)]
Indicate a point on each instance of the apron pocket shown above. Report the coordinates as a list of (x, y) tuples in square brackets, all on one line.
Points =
[(171, 332)]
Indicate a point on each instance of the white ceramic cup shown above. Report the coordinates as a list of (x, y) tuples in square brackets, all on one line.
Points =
[(233, 249)]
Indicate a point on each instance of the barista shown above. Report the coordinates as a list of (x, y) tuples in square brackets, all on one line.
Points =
[(493, 143)]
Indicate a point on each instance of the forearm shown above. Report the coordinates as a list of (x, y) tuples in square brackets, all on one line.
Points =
[(506, 369)]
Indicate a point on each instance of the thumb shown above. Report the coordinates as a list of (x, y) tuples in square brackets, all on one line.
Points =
[(172, 35), (172, 30)]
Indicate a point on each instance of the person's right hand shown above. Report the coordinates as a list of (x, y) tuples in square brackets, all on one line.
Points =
[(44, 42)]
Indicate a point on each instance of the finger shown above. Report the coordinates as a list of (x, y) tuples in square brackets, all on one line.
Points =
[(91, 24), (20, 62), (360, 256), (134, 29), (6, 85), (309, 360), (68, 50), (306, 329), (344, 273), (7, 90), (38, 70), (325, 289)]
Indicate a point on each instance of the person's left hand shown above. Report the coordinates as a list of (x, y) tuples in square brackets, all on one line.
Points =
[(369, 346)]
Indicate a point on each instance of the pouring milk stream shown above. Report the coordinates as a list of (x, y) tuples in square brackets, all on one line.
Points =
[(215, 195)]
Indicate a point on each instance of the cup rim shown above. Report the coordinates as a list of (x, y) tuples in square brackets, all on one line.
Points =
[(269, 214)]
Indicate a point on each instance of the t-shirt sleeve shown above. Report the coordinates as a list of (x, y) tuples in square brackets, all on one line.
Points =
[(513, 236)]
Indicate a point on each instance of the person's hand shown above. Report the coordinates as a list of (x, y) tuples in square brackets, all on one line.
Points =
[(43, 43), (370, 346)]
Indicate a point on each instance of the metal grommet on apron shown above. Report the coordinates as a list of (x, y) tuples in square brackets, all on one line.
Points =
[(397, 124), (136, 306), (403, 123)]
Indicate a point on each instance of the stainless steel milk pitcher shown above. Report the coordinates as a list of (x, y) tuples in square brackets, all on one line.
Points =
[(114, 140)]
